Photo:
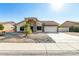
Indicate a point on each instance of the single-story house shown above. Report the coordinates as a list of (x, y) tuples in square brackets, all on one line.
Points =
[(38, 26), (8, 26), (64, 27)]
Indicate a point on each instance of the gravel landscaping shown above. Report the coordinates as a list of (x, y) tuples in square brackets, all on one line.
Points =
[(41, 38), (19, 38)]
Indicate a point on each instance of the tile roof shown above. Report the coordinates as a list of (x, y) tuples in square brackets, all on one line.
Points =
[(11, 22), (43, 22), (49, 23), (69, 23)]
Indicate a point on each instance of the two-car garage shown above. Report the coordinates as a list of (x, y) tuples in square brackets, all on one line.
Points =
[(50, 28)]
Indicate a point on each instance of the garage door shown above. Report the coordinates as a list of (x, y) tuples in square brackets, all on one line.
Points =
[(64, 29), (50, 28)]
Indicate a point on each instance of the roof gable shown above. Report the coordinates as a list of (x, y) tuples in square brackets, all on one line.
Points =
[(49, 23), (69, 24), (11, 22), (43, 22)]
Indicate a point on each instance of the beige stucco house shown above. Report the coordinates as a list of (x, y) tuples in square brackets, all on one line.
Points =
[(37, 25), (8, 26), (64, 27)]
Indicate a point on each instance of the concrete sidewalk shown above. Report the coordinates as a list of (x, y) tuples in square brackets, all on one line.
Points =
[(39, 48)]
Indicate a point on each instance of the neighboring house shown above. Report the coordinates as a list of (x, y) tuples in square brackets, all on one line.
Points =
[(38, 26), (66, 26), (8, 26)]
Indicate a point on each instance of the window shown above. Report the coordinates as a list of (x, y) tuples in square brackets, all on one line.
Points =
[(38, 27), (22, 28)]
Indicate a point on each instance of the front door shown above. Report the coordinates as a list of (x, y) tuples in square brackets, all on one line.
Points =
[(32, 28)]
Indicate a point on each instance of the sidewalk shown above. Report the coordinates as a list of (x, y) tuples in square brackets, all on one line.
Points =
[(39, 48)]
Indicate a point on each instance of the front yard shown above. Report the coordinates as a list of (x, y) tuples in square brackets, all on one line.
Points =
[(40, 38), (19, 38)]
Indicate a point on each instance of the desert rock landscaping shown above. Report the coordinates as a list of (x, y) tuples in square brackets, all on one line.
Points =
[(32, 38)]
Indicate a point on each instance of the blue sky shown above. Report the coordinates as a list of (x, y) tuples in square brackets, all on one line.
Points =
[(43, 11)]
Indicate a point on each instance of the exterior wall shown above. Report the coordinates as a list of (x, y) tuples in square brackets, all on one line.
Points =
[(34, 28), (50, 29), (39, 24), (8, 28), (18, 26), (39, 30), (76, 25), (64, 29), (22, 24)]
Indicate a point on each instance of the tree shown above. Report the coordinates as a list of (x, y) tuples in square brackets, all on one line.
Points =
[(15, 28), (76, 29), (27, 29), (1, 27)]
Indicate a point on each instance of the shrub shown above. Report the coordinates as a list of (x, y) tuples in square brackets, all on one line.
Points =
[(15, 28), (27, 30), (71, 29), (1, 27), (74, 29)]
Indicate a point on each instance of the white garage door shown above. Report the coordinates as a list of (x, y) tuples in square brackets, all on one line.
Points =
[(50, 28), (63, 29)]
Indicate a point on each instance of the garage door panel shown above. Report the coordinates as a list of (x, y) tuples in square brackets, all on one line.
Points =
[(50, 28)]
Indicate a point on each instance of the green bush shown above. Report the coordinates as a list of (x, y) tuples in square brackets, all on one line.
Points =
[(71, 29), (74, 29), (15, 28), (27, 30), (1, 27)]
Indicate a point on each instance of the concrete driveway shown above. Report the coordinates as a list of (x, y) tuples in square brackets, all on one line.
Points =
[(62, 37)]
